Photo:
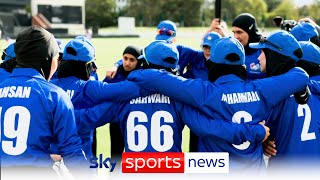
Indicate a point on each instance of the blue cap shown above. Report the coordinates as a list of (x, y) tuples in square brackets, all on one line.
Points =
[(279, 41), (158, 51), (83, 51), (84, 38), (209, 38), (225, 46), (311, 52), (61, 45), (304, 31), (9, 53), (167, 30)]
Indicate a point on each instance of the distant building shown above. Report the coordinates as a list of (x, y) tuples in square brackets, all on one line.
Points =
[(58, 16), (13, 15), (65, 16), (13, 5)]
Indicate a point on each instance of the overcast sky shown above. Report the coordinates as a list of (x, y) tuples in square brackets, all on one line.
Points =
[(302, 2)]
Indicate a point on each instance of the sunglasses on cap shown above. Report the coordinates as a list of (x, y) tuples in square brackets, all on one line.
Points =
[(265, 41), (166, 32)]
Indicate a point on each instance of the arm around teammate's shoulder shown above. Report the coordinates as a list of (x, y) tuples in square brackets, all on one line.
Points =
[(234, 133), (193, 92), (277, 88), (90, 118), (100, 92)]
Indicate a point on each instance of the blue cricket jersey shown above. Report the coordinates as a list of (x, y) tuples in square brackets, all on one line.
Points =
[(230, 98), (296, 130), (3, 74), (85, 94), (197, 70), (154, 123), (54, 76), (196, 63), (196, 59), (94, 76), (34, 114), (314, 85)]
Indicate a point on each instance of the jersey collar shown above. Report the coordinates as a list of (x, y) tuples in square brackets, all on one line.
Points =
[(228, 78), (29, 72)]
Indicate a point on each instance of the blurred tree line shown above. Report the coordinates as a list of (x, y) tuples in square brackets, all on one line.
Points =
[(103, 13)]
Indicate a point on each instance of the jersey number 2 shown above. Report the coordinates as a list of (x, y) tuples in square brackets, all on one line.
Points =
[(305, 135), (16, 135)]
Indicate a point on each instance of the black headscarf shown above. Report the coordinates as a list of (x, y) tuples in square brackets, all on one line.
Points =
[(277, 63), (78, 69), (35, 47), (315, 40), (9, 65), (313, 69), (247, 22), (218, 70), (134, 51)]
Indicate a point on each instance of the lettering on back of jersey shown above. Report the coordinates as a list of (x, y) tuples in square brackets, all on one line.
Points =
[(70, 93), (15, 92), (244, 97), (151, 99)]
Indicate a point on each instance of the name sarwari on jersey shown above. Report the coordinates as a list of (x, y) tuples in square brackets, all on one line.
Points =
[(244, 97), (154, 98), (15, 92)]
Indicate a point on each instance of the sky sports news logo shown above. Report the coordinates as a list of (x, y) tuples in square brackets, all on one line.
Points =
[(175, 162), (101, 162)]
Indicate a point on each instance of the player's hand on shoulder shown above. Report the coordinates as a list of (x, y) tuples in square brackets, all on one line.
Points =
[(111, 73)]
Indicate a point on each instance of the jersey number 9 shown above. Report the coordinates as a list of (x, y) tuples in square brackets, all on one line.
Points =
[(15, 134)]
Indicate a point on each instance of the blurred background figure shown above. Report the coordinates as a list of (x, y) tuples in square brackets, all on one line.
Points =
[(245, 29), (89, 34)]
